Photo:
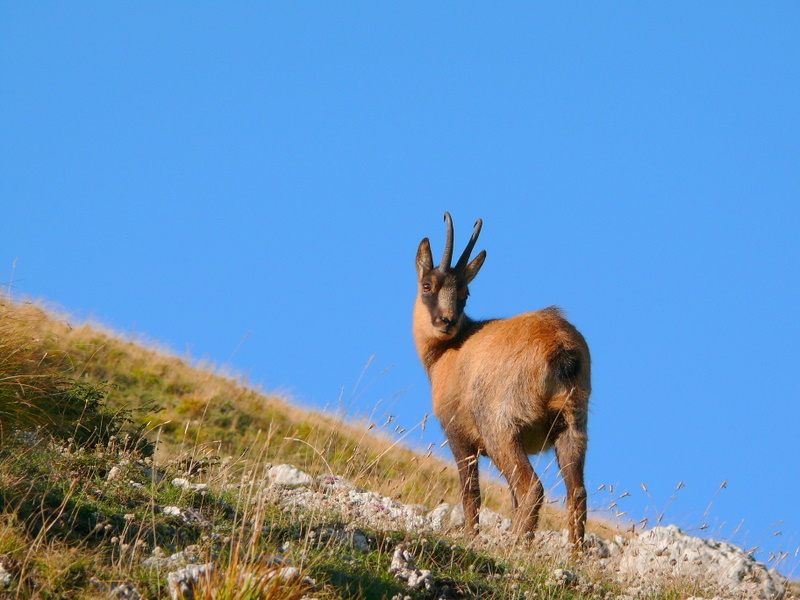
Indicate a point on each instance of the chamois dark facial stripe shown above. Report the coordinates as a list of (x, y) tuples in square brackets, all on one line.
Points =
[(447, 297)]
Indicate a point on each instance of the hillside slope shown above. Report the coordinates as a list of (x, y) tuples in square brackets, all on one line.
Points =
[(195, 412), (91, 508)]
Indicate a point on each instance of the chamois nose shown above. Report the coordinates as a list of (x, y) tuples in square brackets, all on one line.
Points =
[(447, 322)]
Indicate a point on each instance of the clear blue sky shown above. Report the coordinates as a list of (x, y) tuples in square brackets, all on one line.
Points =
[(202, 172)]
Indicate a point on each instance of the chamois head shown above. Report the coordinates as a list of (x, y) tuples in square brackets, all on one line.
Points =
[(443, 290)]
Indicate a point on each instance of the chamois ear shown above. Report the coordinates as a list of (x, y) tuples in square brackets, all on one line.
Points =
[(475, 266), (424, 258)]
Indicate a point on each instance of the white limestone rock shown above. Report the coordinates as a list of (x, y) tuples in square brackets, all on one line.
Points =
[(668, 553), (188, 485), (288, 475), (436, 518), (335, 483), (404, 569), (184, 582)]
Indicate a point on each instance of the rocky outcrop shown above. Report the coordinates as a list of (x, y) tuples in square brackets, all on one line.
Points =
[(664, 552), (654, 559), (642, 566)]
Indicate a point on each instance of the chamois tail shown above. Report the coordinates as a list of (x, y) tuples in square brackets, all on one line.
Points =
[(566, 363)]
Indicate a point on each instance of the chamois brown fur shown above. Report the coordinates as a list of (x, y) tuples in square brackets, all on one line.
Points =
[(503, 388)]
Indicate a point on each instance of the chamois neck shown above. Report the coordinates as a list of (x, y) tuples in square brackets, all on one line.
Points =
[(431, 349)]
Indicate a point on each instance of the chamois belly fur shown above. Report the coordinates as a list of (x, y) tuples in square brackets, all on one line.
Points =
[(537, 438)]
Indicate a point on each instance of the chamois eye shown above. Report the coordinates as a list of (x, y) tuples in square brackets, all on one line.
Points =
[(426, 287)]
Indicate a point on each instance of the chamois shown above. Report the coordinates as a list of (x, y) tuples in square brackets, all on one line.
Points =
[(503, 388)]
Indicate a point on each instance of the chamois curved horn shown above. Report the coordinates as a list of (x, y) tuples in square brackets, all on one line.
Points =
[(462, 262), (447, 257)]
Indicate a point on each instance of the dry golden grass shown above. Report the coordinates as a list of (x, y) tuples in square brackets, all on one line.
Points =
[(32, 372)]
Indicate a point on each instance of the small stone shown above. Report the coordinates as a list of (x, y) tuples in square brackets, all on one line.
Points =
[(289, 574), (6, 578), (359, 542), (561, 578), (490, 520), (187, 515), (159, 563), (403, 568), (457, 516), (284, 574), (331, 483), (437, 516), (288, 475), (401, 559), (418, 578), (190, 554), (188, 485), (184, 582), (125, 591)]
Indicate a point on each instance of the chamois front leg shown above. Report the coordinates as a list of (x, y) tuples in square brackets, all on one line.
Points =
[(571, 454), (527, 491), (466, 456)]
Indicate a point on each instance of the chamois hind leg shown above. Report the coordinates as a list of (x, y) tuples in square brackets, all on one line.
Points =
[(466, 456), (571, 454), (527, 491)]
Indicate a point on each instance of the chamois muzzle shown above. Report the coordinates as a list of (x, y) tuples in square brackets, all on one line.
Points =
[(445, 325)]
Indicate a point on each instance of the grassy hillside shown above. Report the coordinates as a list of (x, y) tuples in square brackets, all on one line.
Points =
[(196, 412), (94, 427)]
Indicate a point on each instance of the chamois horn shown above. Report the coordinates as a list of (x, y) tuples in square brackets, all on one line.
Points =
[(447, 257), (462, 262)]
